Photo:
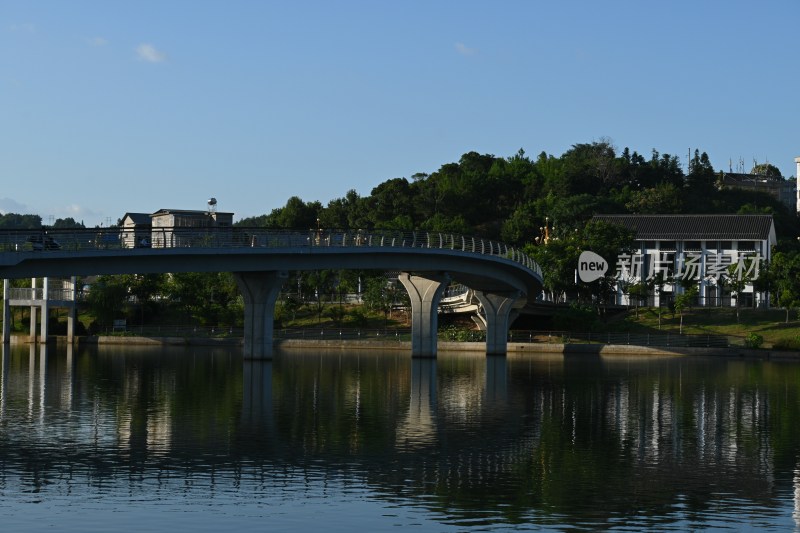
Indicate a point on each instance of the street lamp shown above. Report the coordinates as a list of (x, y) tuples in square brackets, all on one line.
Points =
[(544, 232)]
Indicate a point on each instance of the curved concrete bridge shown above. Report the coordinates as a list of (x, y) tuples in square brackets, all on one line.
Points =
[(503, 278)]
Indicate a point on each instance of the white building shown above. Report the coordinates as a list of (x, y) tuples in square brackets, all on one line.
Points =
[(169, 226), (136, 228), (695, 249)]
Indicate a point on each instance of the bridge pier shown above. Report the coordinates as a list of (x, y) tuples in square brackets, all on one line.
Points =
[(72, 316), (45, 313), (6, 311), (62, 294), (498, 308), (34, 308), (425, 293), (260, 291)]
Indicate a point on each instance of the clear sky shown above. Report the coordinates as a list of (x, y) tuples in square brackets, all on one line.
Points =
[(108, 107)]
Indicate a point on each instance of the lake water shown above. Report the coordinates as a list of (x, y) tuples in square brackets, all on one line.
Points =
[(197, 439)]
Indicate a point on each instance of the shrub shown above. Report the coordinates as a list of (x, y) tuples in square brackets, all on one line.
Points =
[(358, 318), (578, 317), (459, 334), (753, 340)]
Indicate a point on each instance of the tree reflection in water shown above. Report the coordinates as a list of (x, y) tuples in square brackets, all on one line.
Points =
[(542, 439)]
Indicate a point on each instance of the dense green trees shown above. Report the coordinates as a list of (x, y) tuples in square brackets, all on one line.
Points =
[(17, 221), (509, 198), (765, 169), (559, 259), (783, 277), (505, 198)]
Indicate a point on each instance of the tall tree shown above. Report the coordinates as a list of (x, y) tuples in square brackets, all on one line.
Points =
[(700, 182)]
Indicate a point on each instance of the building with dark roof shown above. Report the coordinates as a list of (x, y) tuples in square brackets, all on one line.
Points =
[(157, 229), (702, 249), (136, 229)]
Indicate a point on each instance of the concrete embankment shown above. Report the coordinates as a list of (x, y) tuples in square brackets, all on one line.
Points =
[(514, 348)]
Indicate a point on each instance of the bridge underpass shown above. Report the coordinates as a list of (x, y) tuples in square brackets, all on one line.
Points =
[(502, 278)]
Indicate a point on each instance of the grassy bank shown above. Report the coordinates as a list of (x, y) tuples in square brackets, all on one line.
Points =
[(770, 325)]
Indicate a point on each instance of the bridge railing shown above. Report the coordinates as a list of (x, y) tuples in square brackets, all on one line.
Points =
[(27, 293), (102, 239)]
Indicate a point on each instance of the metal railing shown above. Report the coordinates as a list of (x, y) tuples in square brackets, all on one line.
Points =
[(102, 239), (352, 334), (17, 293), (322, 333), (332, 333)]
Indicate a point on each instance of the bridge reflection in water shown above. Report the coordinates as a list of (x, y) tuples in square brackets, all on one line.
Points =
[(551, 439)]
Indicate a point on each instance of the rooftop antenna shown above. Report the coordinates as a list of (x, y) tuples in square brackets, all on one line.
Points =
[(212, 205)]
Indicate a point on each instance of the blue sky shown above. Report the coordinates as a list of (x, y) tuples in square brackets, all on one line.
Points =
[(109, 107)]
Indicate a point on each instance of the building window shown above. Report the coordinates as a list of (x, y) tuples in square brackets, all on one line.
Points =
[(692, 246)]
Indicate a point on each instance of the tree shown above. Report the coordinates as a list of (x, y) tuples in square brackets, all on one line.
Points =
[(521, 227), (341, 213), (16, 221), (664, 198), (558, 260), (700, 182), (379, 296), (389, 200), (297, 214), (736, 280), (657, 283), (683, 301), (443, 224), (785, 271), (68, 223), (144, 287), (106, 298), (768, 170), (319, 281), (210, 298), (639, 292), (590, 168)]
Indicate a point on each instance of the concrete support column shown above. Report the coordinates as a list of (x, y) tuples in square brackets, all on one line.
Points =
[(6, 311), (500, 310), (45, 310), (73, 309), (496, 381), (418, 428), (425, 293), (257, 398), (260, 290), (33, 310)]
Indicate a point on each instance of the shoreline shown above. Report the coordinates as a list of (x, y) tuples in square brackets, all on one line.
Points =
[(513, 348)]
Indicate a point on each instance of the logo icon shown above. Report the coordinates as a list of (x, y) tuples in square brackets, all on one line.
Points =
[(591, 267)]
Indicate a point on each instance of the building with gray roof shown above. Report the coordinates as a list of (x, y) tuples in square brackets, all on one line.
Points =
[(708, 250)]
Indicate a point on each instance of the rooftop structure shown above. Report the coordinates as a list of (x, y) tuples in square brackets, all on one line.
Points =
[(782, 190)]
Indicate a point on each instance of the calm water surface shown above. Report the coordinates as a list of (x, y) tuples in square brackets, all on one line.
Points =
[(198, 439)]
